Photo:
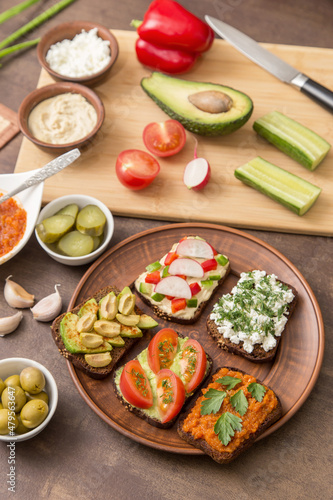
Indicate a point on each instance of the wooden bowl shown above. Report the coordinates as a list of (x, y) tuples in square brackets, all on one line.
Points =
[(68, 31), (38, 95)]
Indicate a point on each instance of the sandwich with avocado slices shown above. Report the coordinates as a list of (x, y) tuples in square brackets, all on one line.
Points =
[(98, 332)]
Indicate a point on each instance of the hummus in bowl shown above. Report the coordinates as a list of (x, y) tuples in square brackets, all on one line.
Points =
[(61, 116)]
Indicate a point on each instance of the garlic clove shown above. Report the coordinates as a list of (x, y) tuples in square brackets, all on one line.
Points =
[(10, 323), (16, 296), (48, 308)]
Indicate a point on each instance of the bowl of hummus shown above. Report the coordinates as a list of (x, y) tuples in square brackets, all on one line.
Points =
[(61, 116)]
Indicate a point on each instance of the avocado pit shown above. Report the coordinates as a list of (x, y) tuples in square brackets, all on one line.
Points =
[(211, 101)]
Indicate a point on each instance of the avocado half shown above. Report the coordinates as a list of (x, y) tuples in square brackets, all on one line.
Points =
[(172, 96)]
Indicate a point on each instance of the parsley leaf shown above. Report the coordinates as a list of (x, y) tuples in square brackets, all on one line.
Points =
[(257, 391), (213, 401), (239, 402), (230, 382), (226, 425)]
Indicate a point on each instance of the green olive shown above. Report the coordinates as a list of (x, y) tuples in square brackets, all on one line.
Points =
[(33, 413), (32, 380), (2, 386), (41, 395), (13, 380), (21, 429), (8, 421), (13, 397)]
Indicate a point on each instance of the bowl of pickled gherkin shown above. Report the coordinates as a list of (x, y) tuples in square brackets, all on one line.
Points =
[(74, 229), (28, 398)]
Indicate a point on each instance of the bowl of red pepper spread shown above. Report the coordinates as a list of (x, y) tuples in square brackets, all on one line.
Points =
[(201, 426), (13, 223)]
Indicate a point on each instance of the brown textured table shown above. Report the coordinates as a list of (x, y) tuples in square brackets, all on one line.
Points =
[(79, 455)]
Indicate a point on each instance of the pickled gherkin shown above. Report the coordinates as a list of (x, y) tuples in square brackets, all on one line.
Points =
[(76, 244), (91, 220), (53, 228)]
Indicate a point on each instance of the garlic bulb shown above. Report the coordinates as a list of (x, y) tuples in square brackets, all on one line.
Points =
[(48, 308), (10, 323), (16, 296)]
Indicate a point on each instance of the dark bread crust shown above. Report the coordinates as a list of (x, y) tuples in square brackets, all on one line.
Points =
[(78, 359), (153, 421), (175, 319), (226, 457), (258, 355)]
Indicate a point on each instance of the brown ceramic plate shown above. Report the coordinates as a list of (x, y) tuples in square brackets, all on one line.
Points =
[(292, 374)]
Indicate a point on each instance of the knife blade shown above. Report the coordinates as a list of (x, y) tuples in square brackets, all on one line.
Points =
[(271, 63)]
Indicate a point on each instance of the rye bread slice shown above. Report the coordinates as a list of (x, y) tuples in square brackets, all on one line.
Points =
[(227, 457), (258, 355), (78, 360), (176, 319), (154, 421)]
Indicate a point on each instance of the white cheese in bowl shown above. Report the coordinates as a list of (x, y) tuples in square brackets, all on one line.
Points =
[(85, 55)]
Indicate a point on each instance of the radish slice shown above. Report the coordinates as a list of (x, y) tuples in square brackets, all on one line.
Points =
[(187, 267), (174, 286), (192, 247), (196, 174)]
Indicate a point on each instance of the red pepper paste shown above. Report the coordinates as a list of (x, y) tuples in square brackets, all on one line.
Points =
[(202, 426), (13, 221)]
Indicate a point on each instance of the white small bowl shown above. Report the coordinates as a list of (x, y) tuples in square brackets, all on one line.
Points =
[(30, 200), (81, 200), (13, 366)]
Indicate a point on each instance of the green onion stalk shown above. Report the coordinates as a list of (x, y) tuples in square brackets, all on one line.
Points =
[(34, 23), (17, 9)]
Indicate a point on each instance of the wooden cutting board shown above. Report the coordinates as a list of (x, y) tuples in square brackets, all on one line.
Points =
[(225, 199)]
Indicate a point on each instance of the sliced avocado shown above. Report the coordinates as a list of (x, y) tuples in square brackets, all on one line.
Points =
[(115, 341), (146, 322), (193, 104), (90, 306), (130, 331), (146, 288), (108, 307), (129, 319), (71, 337)]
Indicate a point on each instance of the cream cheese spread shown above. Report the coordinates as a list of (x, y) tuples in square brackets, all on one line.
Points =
[(255, 312)]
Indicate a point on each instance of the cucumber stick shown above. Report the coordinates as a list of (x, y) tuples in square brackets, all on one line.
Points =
[(288, 189), (295, 140)]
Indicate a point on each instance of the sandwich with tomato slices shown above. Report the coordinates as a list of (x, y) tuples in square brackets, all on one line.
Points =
[(155, 385), (179, 285)]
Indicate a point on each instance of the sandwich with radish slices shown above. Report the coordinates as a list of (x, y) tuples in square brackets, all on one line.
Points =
[(179, 285)]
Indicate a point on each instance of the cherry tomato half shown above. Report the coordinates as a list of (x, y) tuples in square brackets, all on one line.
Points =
[(164, 139), (170, 394), (162, 349), (193, 364), (136, 169), (135, 385)]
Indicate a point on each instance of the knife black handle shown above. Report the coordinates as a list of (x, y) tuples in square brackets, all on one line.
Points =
[(318, 93)]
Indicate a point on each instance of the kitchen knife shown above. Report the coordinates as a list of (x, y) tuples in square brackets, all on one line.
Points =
[(286, 73)]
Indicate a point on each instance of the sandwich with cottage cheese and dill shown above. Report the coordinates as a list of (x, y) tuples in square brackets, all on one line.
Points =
[(250, 320)]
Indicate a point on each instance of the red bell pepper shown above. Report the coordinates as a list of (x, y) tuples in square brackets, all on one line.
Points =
[(177, 305), (171, 37), (209, 265), (171, 256), (153, 277), (164, 59)]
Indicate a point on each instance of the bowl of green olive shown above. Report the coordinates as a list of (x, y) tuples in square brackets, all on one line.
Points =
[(28, 398), (74, 229)]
